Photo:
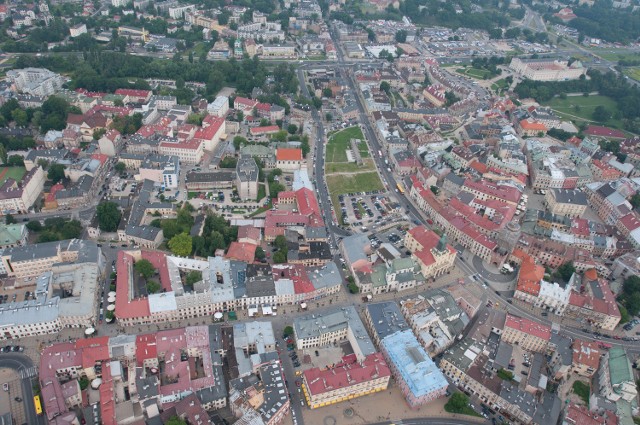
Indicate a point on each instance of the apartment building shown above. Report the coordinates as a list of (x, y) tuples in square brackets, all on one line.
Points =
[(36, 81), (346, 380), (247, 178), (586, 357), (19, 197), (547, 69), (529, 335)]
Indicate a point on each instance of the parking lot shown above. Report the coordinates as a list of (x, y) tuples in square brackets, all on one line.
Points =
[(393, 236), (368, 210)]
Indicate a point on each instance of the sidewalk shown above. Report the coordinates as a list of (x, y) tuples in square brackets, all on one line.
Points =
[(388, 405)]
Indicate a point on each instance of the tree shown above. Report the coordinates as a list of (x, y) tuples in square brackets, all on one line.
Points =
[(353, 288), (181, 245), (288, 330), (385, 87), (260, 254), (292, 128), (9, 219), (280, 242), (120, 167), (153, 286), (635, 200), (601, 114), (98, 133), (401, 36), (56, 173), (326, 92), (280, 257), (565, 271), (110, 315), (458, 403), (328, 117), (145, 268), (176, 420), (84, 383), (108, 215), (450, 98), (193, 277), (34, 226), (3, 154), (20, 117), (15, 161)]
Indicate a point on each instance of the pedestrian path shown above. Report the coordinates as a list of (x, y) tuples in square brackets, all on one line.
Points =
[(28, 373)]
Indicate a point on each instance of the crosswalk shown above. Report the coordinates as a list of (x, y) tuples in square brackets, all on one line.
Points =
[(28, 373)]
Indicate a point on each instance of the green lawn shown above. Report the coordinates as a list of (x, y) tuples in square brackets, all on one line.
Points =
[(361, 182), (15, 173), (501, 84), (633, 72), (262, 192), (566, 108), (582, 390), (475, 73), (615, 55), (339, 143)]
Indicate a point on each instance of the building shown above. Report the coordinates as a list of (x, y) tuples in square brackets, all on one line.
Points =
[(418, 377), (19, 197), (13, 235), (345, 380), (162, 169), (77, 30), (615, 376), (288, 159), (36, 81), (111, 143), (567, 202), (176, 388), (432, 252), (529, 335), (343, 323), (586, 357), (247, 178), (219, 107), (547, 69)]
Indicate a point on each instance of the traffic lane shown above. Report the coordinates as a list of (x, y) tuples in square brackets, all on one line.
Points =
[(20, 362)]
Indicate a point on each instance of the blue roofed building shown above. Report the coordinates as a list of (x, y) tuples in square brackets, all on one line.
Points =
[(417, 375)]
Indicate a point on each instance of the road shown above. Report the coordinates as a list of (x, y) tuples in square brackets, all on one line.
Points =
[(428, 421), (20, 362)]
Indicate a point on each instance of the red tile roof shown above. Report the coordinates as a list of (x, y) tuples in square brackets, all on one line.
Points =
[(133, 93), (529, 276), (347, 373), (125, 307), (284, 154), (532, 125), (586, 353), (242, 251), (264, 130), (581, 415), (528, 326), (249, 232), (146, 348), (428, 240)]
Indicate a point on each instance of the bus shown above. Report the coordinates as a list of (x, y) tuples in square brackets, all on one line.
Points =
[(36, 403), (400, 189)]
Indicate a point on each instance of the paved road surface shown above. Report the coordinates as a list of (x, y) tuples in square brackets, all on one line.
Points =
[(23, 365)]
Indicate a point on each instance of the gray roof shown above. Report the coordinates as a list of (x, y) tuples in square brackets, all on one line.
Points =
[(325, 276), (275, 391), (549, 411), (216, 176), (261, 286), (525, 401), (570, 196), (247, 169), (455, 179), (87, 250), (353, 247), (386, 318), (503, 355), (332, 321)]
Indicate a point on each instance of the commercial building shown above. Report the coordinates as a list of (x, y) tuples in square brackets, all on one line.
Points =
[(529, 335), (333, 326), (586, 357), (13, 235), (345, 380), (417, 376), (616, 377), (567, 202)]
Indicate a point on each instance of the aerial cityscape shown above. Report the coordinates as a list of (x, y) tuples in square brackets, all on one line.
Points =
[(320, 212)]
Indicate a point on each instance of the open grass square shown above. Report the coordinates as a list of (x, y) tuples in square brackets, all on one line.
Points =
[(582, 390), (580, 108), (341, 141), (362, 182), (15, 173)]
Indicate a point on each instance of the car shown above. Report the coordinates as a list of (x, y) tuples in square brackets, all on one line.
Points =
[(18, 399), (297, 382), (5, 386)]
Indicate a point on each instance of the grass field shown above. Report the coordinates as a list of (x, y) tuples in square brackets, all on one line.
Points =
[(615, 55), (475, 73), (15, 173), (566, 108), (339, 143), (501, 84), (633, 72), (582, 390)]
